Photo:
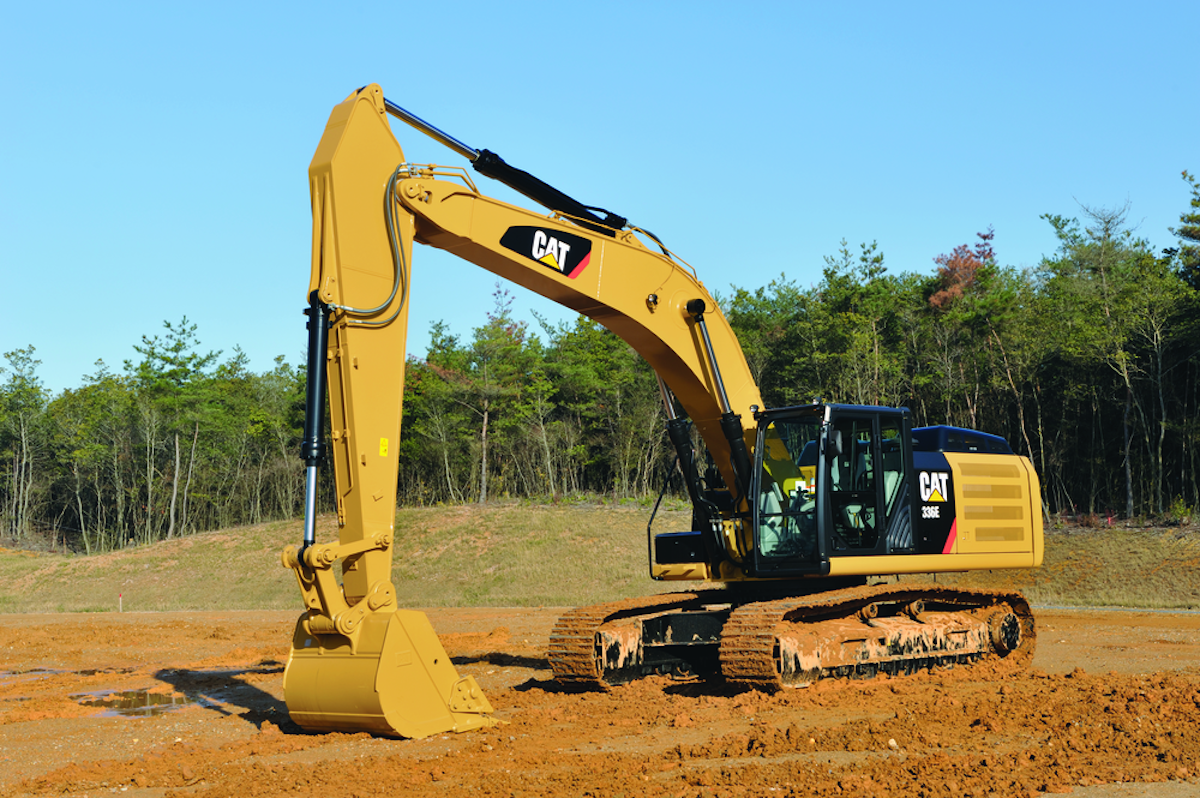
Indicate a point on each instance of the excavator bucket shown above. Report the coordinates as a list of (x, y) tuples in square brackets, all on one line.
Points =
[(392, 678)]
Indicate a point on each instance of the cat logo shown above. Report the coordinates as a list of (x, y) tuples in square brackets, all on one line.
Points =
[(933, 485), (559, 250), (548, 250)]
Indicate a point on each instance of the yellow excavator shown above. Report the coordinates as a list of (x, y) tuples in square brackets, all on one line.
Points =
[(794, 508)]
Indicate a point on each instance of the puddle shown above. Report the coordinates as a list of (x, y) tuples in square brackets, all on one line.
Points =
[(206, 689), (95, 671), (138, 703), (11, 677)]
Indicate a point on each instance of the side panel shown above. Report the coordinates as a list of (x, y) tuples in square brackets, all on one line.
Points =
[(995, 509)]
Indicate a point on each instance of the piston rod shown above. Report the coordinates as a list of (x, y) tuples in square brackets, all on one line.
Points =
[(440, 136), (697, 307)]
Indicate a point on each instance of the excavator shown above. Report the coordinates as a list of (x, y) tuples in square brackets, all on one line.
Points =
[(804, 519)]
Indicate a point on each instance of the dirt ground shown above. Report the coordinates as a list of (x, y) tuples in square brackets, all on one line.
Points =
[(1110, 707)]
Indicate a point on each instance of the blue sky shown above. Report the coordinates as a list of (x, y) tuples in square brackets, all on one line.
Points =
[(158, 153)]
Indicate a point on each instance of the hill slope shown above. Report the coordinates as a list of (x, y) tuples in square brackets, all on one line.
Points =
[(520, 555)]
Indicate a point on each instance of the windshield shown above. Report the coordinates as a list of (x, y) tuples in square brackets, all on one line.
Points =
[(787, 492)]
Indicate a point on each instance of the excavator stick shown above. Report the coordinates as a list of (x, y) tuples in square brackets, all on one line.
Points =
[(358, 663)]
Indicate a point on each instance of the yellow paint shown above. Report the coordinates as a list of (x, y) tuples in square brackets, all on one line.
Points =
[(357, 662), (997, 502), (926, 563)]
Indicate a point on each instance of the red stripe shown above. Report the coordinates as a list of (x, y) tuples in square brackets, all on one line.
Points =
[(953, 536), (582, 265)]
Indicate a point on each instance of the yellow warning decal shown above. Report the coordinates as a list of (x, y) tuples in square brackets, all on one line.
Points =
[(383, 447)]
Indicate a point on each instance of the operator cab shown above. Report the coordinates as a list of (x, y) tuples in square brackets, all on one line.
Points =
[(830, 480)]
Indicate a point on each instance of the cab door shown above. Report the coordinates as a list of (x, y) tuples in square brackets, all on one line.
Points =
[(867, 491)]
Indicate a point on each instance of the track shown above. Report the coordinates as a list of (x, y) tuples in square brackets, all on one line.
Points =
[(767, 645), (572, 650)]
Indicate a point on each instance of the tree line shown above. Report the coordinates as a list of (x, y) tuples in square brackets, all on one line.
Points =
[(1089, 363)]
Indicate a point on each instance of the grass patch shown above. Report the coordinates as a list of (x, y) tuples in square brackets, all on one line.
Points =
[(226, 570), (523, 555), (528, 555)]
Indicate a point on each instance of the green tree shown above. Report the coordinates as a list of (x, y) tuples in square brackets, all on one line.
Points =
[(435, 420), (275, 425), (1187, 254), (486, 380), (781, 328), (78, 418), (23, 442), (861, 329), (1096, 289), (170, 382), (612, 427), (1186, 261)]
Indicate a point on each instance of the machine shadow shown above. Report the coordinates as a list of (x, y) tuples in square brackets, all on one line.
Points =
[(713, 686), (502, 660), (218, 690)]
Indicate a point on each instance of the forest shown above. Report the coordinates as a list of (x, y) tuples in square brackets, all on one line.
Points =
[(1088, 363)]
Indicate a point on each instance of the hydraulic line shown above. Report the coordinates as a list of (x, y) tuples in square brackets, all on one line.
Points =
[(492, 165), (399, 270), (731, 423)]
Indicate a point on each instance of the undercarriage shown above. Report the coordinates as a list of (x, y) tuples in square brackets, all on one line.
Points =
[(776, 642)]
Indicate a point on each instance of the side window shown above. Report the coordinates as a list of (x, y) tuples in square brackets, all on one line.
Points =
[(852, 483), (893, 463)]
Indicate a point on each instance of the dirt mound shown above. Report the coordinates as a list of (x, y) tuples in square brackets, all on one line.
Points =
[(205, 717)]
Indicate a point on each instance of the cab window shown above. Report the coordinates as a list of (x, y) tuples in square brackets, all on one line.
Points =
[(852, 483), (787, 489)]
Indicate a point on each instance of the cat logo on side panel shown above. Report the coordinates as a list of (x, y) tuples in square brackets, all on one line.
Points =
[(933, 485)]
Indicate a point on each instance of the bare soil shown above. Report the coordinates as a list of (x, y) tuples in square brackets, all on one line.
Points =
[(1110, 707)]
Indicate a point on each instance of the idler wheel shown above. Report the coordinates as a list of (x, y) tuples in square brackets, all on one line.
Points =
[(1006, 632)]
